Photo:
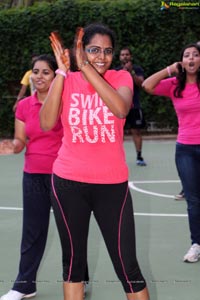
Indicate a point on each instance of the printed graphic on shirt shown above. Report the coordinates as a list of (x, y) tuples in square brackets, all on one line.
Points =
[(90, 120)]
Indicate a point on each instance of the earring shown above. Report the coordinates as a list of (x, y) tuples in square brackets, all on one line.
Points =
[(183, 69)]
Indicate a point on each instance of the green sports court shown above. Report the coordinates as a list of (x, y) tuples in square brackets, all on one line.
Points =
[(162, 232)]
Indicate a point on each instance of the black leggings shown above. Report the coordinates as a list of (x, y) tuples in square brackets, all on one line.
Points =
[(111, 204)]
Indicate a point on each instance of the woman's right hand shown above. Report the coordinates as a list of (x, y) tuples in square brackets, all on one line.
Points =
[(6, 147), (80, 54), (61, 54)]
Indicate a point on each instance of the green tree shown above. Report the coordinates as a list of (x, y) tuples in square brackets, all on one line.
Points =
[(7, 4)]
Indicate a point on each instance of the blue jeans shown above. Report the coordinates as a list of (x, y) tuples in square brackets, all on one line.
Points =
[(188, 165)]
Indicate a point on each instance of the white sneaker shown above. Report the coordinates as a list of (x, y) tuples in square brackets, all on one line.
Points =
[(193, 254), (15, 295), (180, 196)]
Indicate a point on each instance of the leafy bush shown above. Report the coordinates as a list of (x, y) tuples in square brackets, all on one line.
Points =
[(155, 36)]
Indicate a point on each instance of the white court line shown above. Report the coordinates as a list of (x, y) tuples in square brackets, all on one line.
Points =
[(10, 208), (13, 208), (132, 186), (160, 215), (155, 181)]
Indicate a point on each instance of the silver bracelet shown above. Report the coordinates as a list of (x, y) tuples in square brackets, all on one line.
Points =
[(84, 63)]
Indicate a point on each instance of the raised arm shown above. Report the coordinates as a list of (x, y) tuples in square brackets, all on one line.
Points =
[(51, 108), (118, 101), (150, 83)]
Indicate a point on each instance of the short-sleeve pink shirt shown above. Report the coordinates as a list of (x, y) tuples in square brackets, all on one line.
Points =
[(42, 146), (187, 109), (92, 149)]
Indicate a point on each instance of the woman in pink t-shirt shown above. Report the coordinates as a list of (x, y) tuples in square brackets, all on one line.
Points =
[(90, 172), (41, 149), (184, 91)]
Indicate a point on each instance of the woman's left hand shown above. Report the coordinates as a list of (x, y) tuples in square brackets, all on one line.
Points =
[(175, 67)]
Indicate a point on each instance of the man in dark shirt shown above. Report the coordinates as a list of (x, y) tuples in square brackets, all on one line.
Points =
[(135, 119)]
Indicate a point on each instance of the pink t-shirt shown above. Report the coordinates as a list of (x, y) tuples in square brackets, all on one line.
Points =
[(187, 109), (42, 146), (92, 149)]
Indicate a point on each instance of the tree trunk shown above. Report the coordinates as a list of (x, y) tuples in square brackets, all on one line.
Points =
[(29, 2), (19, 3)]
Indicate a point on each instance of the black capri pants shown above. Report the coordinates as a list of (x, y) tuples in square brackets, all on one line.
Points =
[(111, 204)]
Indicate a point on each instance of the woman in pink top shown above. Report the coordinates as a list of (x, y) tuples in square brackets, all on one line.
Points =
[(90, 173), (41, 149), (184, 91)]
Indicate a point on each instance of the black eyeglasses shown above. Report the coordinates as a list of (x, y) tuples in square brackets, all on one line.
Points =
[(98, 50)]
